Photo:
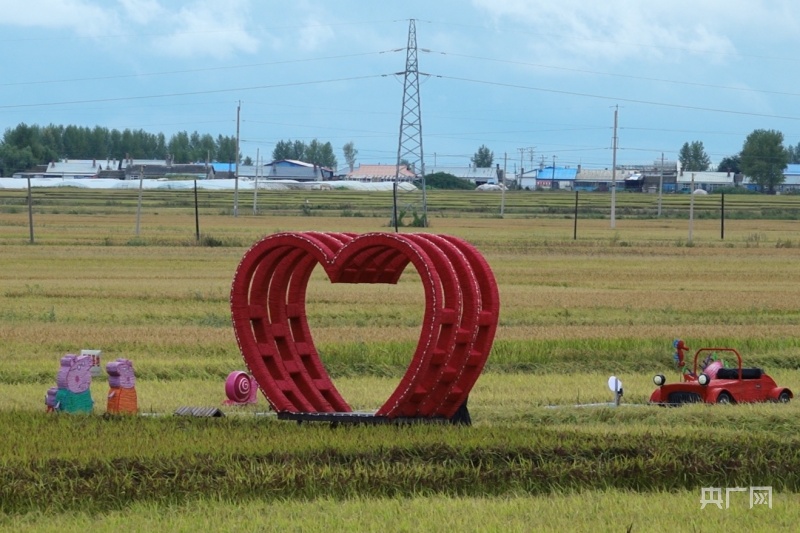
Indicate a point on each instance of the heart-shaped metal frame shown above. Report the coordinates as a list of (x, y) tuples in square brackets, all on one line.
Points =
[(268, 306)]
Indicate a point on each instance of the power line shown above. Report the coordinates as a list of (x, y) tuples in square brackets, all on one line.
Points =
[(190, 93), (626, 76), (192, 71), (666, 130), (618, 99), (117, 35), (526, 32)]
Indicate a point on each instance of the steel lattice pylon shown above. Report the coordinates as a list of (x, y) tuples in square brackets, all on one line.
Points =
[(409, 148)]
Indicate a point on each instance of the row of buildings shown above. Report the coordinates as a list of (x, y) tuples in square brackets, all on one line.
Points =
[(664, 175)]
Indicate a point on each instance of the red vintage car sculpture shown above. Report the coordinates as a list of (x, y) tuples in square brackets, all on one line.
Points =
[(716, 384)]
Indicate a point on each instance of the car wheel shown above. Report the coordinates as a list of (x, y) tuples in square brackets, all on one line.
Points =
[(724, 397), (784, 397)]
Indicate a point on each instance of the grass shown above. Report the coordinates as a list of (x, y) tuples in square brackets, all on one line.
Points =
[(573, 312), (603, 456), (598, 511)]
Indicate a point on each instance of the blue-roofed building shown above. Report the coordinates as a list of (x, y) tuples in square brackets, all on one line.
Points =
[(549, 178), (791, 180), (283, 169), (223, 170)]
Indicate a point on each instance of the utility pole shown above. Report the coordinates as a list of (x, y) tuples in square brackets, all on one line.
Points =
[(236, 171), (139, 202), (691, 209), (503, 190), (553, 180), (660, 183), (255, 187), (530, 150), (614, 174), (409, 146), (30, 211)]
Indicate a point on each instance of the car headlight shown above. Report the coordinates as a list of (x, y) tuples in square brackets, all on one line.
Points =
[(703, 379), (659, 379)]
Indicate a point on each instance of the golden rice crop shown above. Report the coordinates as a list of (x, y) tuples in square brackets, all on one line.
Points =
[(572, 313)]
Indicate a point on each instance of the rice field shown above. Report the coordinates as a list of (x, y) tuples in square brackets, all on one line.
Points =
[(573, 312)]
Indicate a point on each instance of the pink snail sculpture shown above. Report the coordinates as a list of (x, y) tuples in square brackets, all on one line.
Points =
[(241, 389)]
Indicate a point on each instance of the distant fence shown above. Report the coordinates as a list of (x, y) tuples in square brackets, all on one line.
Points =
[(349, 203)]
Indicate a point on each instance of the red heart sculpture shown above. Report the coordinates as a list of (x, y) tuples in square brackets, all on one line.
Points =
[(462, 306)]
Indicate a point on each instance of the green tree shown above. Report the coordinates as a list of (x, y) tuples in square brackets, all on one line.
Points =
[(76, 143), (226, 149), (350, 153), (13, 159), (205, 149), (732, 163), (443, 180), (39, 145), (483, 158), (794, 153), (764, 158), (321, 154), (289, 150), (52, 143), (180, 148), (693, 157), (98, 141), (315, 152)]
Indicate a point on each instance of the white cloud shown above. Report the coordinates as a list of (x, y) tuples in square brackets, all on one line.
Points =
[(313, 35), (142, 11), (207, 28), (617, 30), (198, 28), (310, 31), (84, 17)]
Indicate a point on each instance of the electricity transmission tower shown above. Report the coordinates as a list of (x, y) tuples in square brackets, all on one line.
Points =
[(409, 148)]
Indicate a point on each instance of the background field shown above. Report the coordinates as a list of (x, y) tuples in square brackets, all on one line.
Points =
[(573, 311)]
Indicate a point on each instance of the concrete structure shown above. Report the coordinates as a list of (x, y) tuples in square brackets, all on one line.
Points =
[(707, 181)]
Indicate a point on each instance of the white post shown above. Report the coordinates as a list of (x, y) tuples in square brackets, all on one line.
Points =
[(139, 204), (255, 188), (660, 183), (236, 155), (614, 174), (691, 209), (30, 209), (503, 190)]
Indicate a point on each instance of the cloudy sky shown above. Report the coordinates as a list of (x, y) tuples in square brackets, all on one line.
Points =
[(538, 80)]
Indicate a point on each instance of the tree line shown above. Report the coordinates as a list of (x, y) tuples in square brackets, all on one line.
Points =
[(315, 152), (24, 146), (763, 158)]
